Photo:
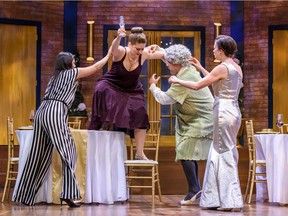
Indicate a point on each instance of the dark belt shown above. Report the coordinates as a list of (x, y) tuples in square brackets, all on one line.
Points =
[(57, 100)]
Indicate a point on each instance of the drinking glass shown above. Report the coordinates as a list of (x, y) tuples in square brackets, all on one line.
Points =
[(122, 24), (279, 121)]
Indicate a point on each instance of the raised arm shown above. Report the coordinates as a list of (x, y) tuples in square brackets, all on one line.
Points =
[(117, 50), (87, 71)]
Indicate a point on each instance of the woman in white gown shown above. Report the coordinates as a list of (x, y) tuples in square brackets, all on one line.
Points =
[(221, 187)]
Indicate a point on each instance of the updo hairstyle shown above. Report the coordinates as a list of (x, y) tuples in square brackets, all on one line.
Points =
[(137, 36)]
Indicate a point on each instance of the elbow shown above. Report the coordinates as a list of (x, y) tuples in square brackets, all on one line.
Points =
[(196, 86)]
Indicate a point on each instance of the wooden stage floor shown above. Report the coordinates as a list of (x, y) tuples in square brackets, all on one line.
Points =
[(138, 205)]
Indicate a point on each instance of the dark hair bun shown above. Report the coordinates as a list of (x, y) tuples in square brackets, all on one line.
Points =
[(137, 30)]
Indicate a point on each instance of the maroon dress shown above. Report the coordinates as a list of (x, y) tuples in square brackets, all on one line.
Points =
[(119, 100)]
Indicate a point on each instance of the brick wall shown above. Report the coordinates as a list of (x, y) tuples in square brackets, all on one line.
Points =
[(257, 18)]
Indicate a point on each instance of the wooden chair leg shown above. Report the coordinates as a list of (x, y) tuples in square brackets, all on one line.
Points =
[(4, 192), (248, 185), (251, 187), (153, 187), (158, 184), (9, 187)]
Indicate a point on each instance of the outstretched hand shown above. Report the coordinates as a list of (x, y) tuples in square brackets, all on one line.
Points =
[(154, 79), (173, 79)]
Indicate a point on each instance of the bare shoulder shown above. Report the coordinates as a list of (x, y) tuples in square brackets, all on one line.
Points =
[(119, 53), (220, 71)]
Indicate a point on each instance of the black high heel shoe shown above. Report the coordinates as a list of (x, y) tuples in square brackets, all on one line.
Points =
[(70, 203)]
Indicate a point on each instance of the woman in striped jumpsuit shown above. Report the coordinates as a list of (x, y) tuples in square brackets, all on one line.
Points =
[(51, 131)]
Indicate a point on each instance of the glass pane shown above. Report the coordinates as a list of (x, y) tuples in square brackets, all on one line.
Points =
[(164, 83), (177, 40), (165, 126), (164, 69), (165, 42), (189, 42), (165, 110)]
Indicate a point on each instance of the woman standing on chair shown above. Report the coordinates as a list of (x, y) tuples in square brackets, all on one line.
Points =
[(118, 101), (221, 187), (51, 131)]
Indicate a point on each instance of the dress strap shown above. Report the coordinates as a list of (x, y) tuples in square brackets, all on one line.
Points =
[(124, 55)]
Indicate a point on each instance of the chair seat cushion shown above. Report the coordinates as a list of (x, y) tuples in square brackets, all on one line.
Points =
[(140, 162), (14, 159), (259, 161)]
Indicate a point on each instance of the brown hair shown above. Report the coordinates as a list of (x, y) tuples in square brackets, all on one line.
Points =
[(137, 36), (227, 44)]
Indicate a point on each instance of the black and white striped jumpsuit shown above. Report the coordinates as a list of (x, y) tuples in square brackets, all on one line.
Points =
[(51, 130)]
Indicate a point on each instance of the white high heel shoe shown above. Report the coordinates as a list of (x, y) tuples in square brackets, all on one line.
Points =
[(190, 201)]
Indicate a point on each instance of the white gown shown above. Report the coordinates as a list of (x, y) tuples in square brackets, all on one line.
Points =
[(221, 187)]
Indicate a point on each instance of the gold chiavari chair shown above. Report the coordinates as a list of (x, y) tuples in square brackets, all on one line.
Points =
[(253, 163), (284, 128), (75, 124), (144, 173), (12, 162)]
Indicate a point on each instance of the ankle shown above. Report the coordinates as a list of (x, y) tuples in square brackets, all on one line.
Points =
[(140, 157)]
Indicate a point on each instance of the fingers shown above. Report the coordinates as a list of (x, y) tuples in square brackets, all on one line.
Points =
[(154, 79), (172, 79), (152, 48), (121, 31), (157, 79)]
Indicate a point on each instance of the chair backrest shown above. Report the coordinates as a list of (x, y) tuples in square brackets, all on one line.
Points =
[(285, 128), (251, 141), (151, 143), (75, 124), (10, 137)]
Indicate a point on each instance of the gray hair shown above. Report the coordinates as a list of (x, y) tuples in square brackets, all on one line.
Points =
[(178, 54)]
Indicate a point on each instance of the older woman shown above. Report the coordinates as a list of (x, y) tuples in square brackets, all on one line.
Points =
[(193, 116), (221, 187)]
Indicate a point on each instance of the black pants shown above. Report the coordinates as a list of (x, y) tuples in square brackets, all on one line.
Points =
[(190, 168)]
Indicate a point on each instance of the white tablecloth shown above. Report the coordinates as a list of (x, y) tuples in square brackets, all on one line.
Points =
[(273, 148), (100, 167)]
